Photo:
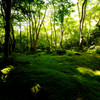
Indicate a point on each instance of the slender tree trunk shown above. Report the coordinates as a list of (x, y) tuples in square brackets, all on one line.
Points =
[(86, 32), (27, 36), (82, 18), (7, 27), (20, 39), (61, 38), (30, 35), (81, 36), (13, 44), (55, 31), (37, 30), (35, 44), (51, 33), (78, 13), (46, 35), (10, 45), (48, 42), (30, 27)]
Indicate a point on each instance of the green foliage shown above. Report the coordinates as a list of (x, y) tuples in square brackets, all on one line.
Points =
[(96, 29), (98, 51), (94, 49)]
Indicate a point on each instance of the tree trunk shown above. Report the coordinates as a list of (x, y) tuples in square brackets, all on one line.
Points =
[(51, 33), (7, 27), (37, 30), (82, 18), (30, 35), (13, 44), (27, 36), (55, 31), (46, 35), (20, 39), (61, 38), (30, 27), (10, 45), (81, 35), (34, 48)]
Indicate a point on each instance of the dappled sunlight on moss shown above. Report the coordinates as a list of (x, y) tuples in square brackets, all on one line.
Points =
[(59, 77), (85, 70), (5, 72), (91, 51), (35, 89), (0, 56), (97, 72)]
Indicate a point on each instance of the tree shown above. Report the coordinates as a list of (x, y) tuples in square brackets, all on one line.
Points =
[(81, 20), (7, 13), (64, 6), (51, 29), (38, 22)]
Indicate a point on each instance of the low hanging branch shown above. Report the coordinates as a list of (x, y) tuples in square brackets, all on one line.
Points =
[(41, 23)]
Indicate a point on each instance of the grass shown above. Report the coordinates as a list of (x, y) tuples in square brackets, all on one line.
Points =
[(72, 76)]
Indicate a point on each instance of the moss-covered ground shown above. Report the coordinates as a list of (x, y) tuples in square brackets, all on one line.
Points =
[(72, 76)]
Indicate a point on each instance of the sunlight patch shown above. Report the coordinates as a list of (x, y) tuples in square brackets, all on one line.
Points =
[(35, 89), (5, 72), (0, 56), (85, 70), (97, 72)]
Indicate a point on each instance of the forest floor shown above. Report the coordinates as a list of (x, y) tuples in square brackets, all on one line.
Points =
[(73, 76)]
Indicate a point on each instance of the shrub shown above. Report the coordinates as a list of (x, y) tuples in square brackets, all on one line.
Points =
[(98, 51), (70, 54), (48, 50), (92, 47), (61, 52), (77, 53)]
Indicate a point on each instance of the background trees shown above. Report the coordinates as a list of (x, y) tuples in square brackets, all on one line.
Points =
[(47, 24)]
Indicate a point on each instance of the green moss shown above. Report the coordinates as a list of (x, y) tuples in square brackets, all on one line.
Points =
[(61, 77)]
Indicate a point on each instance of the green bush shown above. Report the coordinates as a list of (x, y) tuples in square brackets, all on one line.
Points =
[(92, 47), (98, 51), (70, 54), (61, 52)]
